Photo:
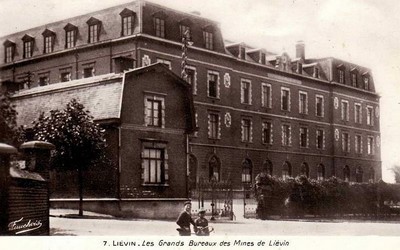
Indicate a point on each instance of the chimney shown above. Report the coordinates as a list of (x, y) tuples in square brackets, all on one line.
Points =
[(300, 52), (197, 13)]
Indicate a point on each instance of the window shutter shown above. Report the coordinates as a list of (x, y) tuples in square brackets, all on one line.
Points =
[(241, 92)]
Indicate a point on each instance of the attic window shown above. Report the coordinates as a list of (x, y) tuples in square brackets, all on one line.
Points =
[(262, 58), (28, 46), (49, 37), (127, 23), (242, 52), (9, 51), (208, 36), (300, 68), (316, 72), (94, 29), (366, 79), (70, 35)]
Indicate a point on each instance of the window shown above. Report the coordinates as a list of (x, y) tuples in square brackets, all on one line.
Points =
[(154, 165), (370, 145), (246, 130), (266, 95), (286, 135), (267, 167), (9, 52), (285, 99), (354, 79), (303, 103), (242, 54), (153, 116), (299, 68), (286, 170), (246, 171), (267, 132), (366, 83), (371, 177), (305, 170), (359, 174), (43, 79), (346, 173), (320, 140), (263, 58), (165, 62), (70, 39), (159, 27), (345, 110), (370, 116), (154, 111), (357, 113), (214, 126), (213, 84), (191, 78), (48, 44), (208, 40), (316, 72), (214, 166), (345, 142), (358, 144), (341, 76), (321, 172), (94, 33), (183, 29), (65, 75), (28, 46), (127, 22), (245, 93), (303, 137), (88, 71), (319, 105)]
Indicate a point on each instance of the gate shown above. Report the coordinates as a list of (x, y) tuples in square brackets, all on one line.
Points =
[(249, 201), (216, 198)]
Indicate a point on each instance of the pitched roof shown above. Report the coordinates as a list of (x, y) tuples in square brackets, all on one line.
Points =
[(100, 95)]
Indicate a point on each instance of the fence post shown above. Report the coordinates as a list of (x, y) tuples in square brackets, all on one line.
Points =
[(5, 152)]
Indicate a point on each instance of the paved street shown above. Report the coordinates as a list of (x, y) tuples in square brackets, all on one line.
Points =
[(100, 225)]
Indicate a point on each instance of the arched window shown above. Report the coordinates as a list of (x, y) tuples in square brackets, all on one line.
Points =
[(359, 174), (321, 172), (247, 168), (286, 170), (346, 173), (268, 167), (371, 178), (304, 169), (214, 165)]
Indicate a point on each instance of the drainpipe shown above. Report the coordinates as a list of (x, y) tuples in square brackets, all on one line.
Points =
[(187, 165)]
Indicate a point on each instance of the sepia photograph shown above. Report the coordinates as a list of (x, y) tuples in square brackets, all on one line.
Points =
[(199, 124)]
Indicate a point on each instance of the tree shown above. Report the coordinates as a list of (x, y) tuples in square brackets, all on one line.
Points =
[(396, 171), (8, 117), (78, 140)]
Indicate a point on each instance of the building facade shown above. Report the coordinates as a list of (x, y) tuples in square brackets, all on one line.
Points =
[(255, 110)]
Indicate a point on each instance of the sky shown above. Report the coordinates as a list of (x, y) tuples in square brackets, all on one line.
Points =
[(365, 32)]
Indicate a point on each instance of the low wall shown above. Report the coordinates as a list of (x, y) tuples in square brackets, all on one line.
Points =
[(146, 208)]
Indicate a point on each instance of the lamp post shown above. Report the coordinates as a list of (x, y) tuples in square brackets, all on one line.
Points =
[(185, 43)]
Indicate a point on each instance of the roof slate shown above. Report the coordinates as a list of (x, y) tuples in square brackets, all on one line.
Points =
[(101, 96)]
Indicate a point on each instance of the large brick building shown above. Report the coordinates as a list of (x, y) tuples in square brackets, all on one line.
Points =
[(255, 109)]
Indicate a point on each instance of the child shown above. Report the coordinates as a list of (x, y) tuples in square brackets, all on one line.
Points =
[(202, 224)]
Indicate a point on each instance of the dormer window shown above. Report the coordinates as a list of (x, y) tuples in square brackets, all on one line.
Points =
[(341, 75), (366, 82), (127, 23), (242, 54), (94, 30), (28, 42), (183, 29), (316, 72), (9, 51), (208, 36), (70, 35), (263, 58), (159, 24), (48, 37), (299, 68), (354, 78)]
